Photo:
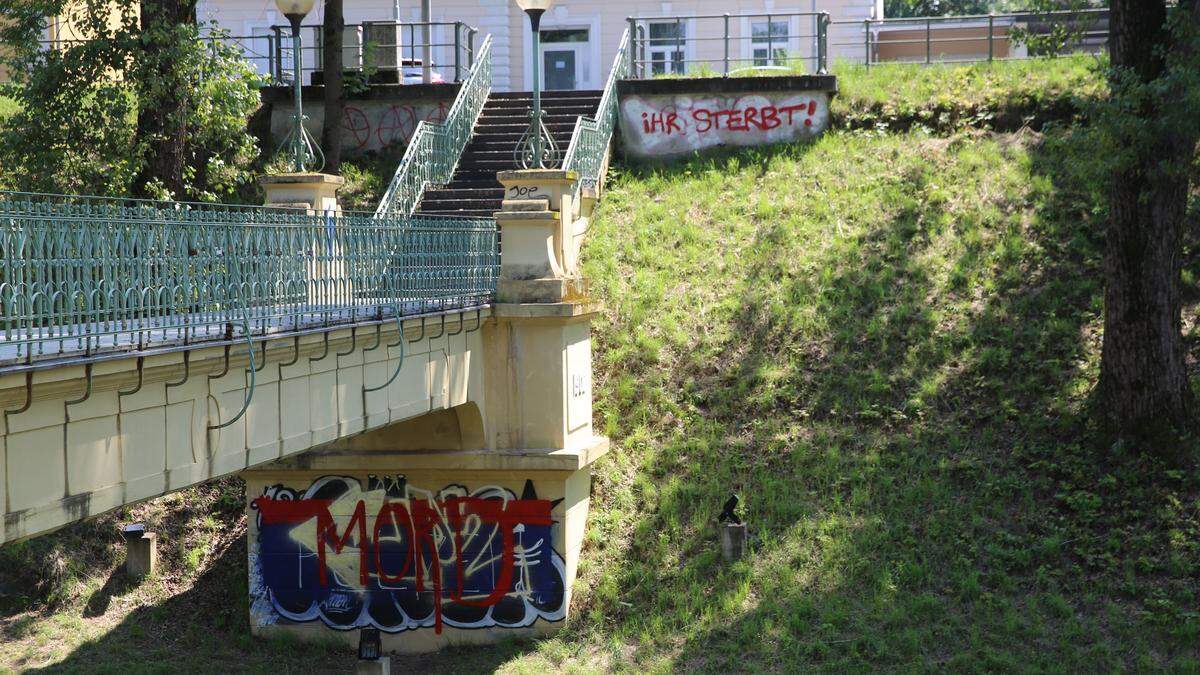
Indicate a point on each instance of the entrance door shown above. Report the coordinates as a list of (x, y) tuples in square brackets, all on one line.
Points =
[(561, 67), (564, 53)]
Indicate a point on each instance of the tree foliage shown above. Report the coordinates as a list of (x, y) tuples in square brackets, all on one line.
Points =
[(895, 9), (81, 103)]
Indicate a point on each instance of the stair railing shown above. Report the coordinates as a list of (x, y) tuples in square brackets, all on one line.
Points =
[(435, 147), (592, 135)]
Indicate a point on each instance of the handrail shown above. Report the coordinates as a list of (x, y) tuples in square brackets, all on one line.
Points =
[(433, 152), (590, 140), (82, 276)]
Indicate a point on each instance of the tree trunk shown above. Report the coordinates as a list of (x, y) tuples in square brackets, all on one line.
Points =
[(335, 96), (163, 97), (1145, 395)]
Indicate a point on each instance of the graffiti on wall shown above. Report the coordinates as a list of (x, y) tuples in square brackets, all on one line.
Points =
[(668, 125), (397, 557), (368, 125), (381, 126)]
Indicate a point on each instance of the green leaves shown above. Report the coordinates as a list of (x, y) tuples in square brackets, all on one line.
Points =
[(75, 129)]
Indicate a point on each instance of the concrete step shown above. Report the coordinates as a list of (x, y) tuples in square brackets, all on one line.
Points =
[(444, 205)]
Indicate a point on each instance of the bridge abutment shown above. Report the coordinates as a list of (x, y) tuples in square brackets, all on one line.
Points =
[(461, 526)]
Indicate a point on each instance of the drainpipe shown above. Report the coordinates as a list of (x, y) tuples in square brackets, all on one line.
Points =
[(816, 38), (427, 66)]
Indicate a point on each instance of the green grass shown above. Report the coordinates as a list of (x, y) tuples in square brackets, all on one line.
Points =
[(1004, 95), (885, 343)]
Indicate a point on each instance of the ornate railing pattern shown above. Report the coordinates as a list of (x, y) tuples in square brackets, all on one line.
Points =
[(81, 275), (590, 140), (434, 149)]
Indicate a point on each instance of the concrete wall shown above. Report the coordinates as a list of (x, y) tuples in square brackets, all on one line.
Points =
[(383, 117), (438, 549), (663, 119), (63, 461)]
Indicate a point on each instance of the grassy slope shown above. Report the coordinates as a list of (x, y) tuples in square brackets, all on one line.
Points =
[(883, 342), (884, 345)]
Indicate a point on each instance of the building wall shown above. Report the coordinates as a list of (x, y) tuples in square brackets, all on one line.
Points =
[(64, 27), (604, 20)]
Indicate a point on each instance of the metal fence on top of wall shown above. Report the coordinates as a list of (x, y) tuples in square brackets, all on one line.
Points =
[(725, 44), (966, 39), (371, 47)]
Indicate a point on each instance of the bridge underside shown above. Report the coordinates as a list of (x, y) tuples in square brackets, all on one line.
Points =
[(81, 439)]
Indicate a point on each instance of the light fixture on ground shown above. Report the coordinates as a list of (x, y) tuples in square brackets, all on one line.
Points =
[(537, 148), (299, 143)]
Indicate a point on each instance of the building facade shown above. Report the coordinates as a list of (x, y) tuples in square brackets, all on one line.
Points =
[(580, 37)]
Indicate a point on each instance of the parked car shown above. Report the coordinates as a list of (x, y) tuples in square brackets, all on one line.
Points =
[(413, 72)]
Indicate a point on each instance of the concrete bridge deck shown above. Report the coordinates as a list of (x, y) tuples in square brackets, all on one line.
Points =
[(80, 438)]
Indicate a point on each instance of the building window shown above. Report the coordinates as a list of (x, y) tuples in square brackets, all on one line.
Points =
[(565, 35), (768, 42), (666, 47)]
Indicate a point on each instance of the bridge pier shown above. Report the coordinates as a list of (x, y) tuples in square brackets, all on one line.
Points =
[(461, 526)]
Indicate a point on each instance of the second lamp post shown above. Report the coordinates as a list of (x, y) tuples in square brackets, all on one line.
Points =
[(536, 149)]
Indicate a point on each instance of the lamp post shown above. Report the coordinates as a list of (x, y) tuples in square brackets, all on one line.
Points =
[(295, 11), (537, 146)]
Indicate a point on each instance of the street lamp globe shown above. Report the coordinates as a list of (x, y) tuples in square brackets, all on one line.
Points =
[(294, 8), (534, 5)]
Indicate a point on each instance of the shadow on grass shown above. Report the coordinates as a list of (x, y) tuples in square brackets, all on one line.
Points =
[(905, 473), (206, 629)]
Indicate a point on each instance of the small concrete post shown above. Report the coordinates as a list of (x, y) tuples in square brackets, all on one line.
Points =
[(141, 551), (379, 666), (733, 541)]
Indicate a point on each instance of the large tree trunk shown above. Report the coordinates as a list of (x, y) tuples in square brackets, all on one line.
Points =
[(1144, 391), (335, 97), (163, 103)]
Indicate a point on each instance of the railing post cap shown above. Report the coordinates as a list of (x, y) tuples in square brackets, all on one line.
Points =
[(307, 177)]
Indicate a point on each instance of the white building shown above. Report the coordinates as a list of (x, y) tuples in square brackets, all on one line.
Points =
[(580, 37)]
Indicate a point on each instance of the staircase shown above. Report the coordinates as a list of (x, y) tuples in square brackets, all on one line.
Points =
[(474, 190)]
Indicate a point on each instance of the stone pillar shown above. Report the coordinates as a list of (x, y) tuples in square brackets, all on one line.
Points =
[(313, 191)]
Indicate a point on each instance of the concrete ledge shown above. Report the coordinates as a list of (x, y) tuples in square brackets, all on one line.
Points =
[(541, 205), (725, 85), (540, 459), (539, 175), (315, 93), (517, 292), (528, 216), (548, 310), (305, 178)]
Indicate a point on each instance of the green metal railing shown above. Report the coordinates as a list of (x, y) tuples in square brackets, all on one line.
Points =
[(85, 275), (592, 135), (435, 147)]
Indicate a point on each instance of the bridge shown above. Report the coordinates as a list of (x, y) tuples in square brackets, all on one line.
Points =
[(408, 401), (406, 393)]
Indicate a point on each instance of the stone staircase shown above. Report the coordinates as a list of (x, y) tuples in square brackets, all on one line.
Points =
[(474, 190)]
